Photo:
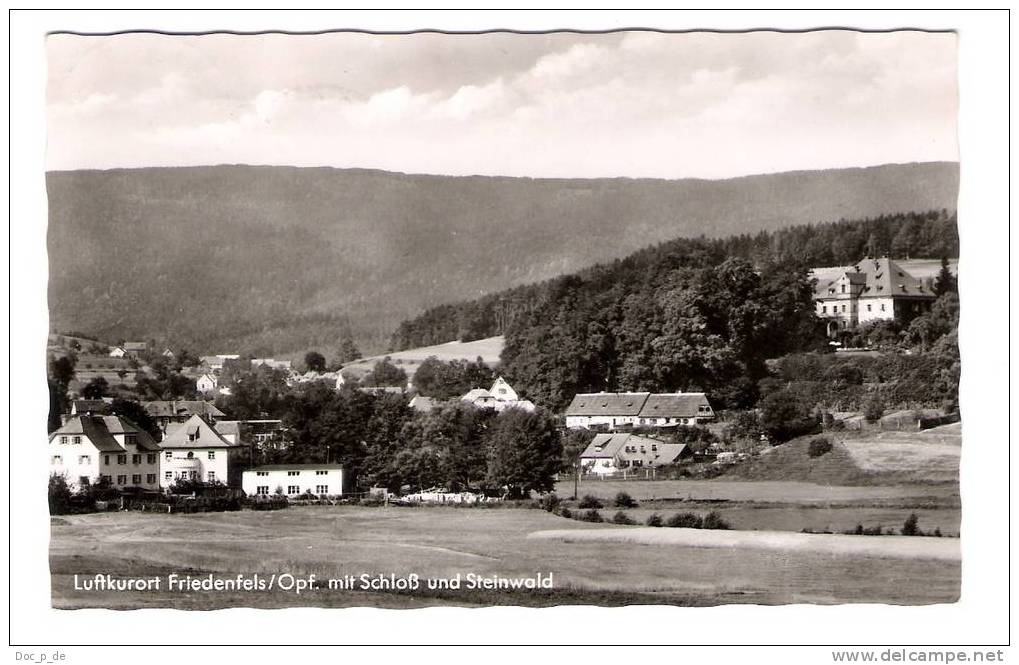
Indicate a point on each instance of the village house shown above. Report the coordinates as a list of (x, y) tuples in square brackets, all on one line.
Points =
[(89, 449), (117, 352), (626, 410), (612, 453), (872, 290), (194, 450), (294, 480), (165, 412), (135, 348), (207, 383), (215, 363), (168, 353), (500, 397)]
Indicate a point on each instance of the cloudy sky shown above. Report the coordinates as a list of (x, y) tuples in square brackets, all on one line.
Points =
[(637, 104)]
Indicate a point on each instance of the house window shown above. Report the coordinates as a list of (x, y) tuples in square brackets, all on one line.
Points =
[(321, 489), (151, 458), (321, 473), (868, 308), (262, 489), (150, 478), (136, 479), (261, 473), (212, 476), (191, 454), (76, 441), (843, 308), (57, 459), (293, 473), (843, 288), (136, 459), (84, 459), (882, 307), (212, 454), (169, 454), (824, 309), (63, 440), (654, 447), (106, 460), (293, 489), (168, 475), (122, 480), (121, 459), (130, 439)]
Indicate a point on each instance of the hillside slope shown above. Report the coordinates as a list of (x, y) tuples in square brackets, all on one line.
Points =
[(275, 259)]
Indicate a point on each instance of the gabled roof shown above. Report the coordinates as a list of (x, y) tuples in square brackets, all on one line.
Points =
[(674, 405), (96, 406), (176, 408), (607, 404), (476, 394), (652, 452), (185, 436), (878, 278), (100, 431), (605, 445)]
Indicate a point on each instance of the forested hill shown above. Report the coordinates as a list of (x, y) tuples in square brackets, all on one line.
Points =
[(931, 234), (274, 259)]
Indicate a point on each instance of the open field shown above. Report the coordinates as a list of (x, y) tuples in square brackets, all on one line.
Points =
[(758, 491), (488, 349), (441, 542)]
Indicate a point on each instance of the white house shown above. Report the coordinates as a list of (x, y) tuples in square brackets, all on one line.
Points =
[(293, 479), (117, 352), (871, 290), (88, 448), (611, 453), (500, 397), (207, 383), (615, 410), (194, 450)]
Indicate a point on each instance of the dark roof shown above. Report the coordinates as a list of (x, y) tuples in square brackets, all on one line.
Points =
[(880, 278), (652, 452), (674, 405), (207, 436), (296, 467), (100, 431), (179, 408), (607, 404), (97, 406)]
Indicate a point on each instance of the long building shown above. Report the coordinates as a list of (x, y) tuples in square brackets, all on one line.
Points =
[(627, 410)]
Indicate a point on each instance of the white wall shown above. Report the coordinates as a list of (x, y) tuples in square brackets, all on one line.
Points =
[(306, 480), (72, 467), (175, 461)]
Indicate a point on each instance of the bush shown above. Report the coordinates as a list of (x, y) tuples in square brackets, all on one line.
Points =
[(622, 518), (550, 502), (819, 446), (591, 516), (590, 502), (873, 409), (684, 521), (654, 519), (565, 512), (59, 495), (786, 415), (624, 500), (714, 521)]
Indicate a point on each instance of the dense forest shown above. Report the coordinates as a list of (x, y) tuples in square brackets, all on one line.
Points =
[(270, 260), (931, 234)]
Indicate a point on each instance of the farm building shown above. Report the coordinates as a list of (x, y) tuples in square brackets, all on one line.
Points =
[(611, 453), (294, 479), (194, 450), (616, 410), (90, 448), (500, 397), (871, 290), (207, 383)]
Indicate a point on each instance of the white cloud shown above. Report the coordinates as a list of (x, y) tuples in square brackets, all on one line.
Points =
[(639, 104)]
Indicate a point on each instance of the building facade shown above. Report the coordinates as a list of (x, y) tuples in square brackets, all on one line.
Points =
[(612, 411), (194, 450), (89, 449), (612, 453), (294, 480), (872, 290)]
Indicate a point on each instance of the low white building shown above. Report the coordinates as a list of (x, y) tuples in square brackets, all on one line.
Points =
[(207, 383), (117, 352), (194, 450), (612, 453), (88, 449), (623, 410), (500, 397), (294, 479)]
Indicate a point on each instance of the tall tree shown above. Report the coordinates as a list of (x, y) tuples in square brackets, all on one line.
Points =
[(525, 452)]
